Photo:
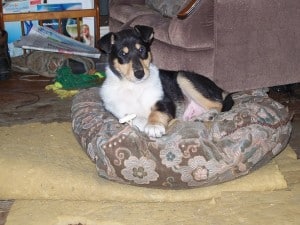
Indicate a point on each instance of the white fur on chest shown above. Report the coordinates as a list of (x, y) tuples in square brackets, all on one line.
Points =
[(122, 97)]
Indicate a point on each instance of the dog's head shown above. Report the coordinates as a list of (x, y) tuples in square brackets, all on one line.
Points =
[(129, 52)]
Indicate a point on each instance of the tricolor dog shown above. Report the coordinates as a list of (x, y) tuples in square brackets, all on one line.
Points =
[(135, 87)]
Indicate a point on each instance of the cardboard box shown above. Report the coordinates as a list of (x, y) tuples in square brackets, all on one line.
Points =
[(20, 6), (16, 6)]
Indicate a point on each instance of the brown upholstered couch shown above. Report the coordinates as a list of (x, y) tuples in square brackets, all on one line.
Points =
[(240, 44)]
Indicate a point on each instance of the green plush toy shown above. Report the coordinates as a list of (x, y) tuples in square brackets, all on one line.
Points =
[(65, 79), (67, 84)]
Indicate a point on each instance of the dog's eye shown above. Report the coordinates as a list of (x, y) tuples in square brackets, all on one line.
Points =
[(122, 53), (142, 49)]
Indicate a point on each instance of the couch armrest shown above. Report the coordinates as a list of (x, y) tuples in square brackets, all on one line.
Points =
[(188, 10), (195, 32)]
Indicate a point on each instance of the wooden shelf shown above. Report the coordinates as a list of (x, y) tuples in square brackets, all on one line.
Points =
[(40, 16)]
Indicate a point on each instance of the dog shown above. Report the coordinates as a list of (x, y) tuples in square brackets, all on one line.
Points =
[(135, 86)]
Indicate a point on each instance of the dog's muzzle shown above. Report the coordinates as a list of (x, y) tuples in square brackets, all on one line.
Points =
[(139, 74)]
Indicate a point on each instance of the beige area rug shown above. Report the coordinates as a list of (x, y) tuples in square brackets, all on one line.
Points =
[(232, 208), (44, 161), (54, 182)]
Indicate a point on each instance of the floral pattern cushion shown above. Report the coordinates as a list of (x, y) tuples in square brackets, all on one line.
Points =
[(192, 154)]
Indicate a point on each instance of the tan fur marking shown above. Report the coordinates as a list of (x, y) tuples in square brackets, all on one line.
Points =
[(126, 70), (137, 46), (125, 50), (157, 117), (146, 64), (191, 93)]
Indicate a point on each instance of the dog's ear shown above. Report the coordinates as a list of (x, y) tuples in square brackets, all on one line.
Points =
[(106, 42), (145, 32)]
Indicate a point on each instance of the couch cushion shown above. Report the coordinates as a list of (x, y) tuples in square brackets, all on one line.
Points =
[(134, 14), (168, 8), (180, 33), (125, 13)]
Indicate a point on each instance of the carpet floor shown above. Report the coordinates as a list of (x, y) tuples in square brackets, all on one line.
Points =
[(56, 183)]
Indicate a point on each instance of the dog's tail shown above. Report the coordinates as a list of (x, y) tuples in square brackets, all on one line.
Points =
[(227, 102)]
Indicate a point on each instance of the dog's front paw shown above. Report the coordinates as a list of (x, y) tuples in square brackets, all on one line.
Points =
[(155, 130), (140, 123)]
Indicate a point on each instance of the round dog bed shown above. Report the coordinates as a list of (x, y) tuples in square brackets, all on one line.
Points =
[(191, 154)]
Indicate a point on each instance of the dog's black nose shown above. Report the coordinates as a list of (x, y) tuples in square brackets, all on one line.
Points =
[(139, 74)]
